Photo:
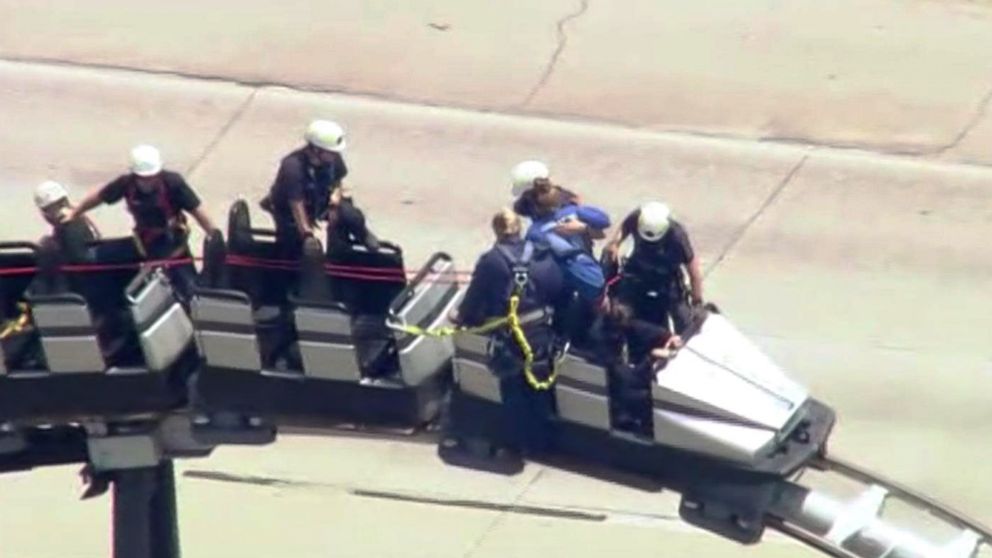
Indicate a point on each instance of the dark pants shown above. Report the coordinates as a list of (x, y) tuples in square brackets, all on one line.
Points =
[(526, 410), (630, 388)]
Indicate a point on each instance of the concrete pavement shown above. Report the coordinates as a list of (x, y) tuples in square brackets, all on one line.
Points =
[(865, 275), (892, 76)]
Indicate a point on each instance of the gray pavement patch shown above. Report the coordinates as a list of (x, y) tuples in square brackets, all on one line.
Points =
[(559, 48)]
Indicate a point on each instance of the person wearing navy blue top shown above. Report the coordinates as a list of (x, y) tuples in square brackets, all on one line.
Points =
[(494, 281), (309, 189)]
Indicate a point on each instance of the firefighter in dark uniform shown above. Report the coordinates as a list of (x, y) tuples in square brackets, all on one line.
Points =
[(510, 262), (308, 188), (654, 276), (158, 201), (71, 237)]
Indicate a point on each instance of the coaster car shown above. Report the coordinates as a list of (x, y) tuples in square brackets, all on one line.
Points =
[(94, 361), (80, 355), (311, 344), (724, 426)]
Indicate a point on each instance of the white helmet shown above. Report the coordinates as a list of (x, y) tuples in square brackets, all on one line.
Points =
[(49, 192), (654, 220), (524, 174), (146, 160), (325, 135)]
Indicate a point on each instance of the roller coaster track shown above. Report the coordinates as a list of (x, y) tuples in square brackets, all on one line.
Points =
[(857, 528)]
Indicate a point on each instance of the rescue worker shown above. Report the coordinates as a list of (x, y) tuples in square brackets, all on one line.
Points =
[(511, 266), (71, 237), (653, 277), (158, 201), (531, 179), (308, 188)]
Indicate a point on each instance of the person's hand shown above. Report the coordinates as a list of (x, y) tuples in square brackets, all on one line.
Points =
[(335, 199), (697, 300), (659, 353), (570, 227), (674, 342)]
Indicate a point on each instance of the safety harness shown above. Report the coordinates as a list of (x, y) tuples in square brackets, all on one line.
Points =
[(513, 321), (18, 324), (521, 278), (175, 220)]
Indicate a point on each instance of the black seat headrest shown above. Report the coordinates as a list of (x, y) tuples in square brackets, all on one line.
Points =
[(239, 227), (214, 273)]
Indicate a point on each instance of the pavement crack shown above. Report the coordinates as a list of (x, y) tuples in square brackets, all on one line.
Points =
[(235, 118), (980, 111), (732, 243), (905, 153), (559, 48)]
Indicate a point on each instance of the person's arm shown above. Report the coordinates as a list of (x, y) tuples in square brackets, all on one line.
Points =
[(587, 220), (472, 309), (339, 191), (696, 280), (185, 198), (289, 186), (203, 219), (571, 227), (690, 260), (300, 217), (92, 200)]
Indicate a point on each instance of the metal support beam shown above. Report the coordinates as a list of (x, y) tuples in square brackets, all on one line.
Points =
[(145, 520)]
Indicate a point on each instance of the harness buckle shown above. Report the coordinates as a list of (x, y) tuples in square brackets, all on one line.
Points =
[(520, 277)]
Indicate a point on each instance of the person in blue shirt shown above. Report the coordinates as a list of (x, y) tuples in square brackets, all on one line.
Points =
[(569, 230)]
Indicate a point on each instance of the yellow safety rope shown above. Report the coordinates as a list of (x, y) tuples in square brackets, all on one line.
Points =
[(512, 322), (17, 325)]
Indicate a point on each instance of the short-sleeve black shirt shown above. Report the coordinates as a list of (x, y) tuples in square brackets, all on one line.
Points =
[(147, 208), (297, 179)]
